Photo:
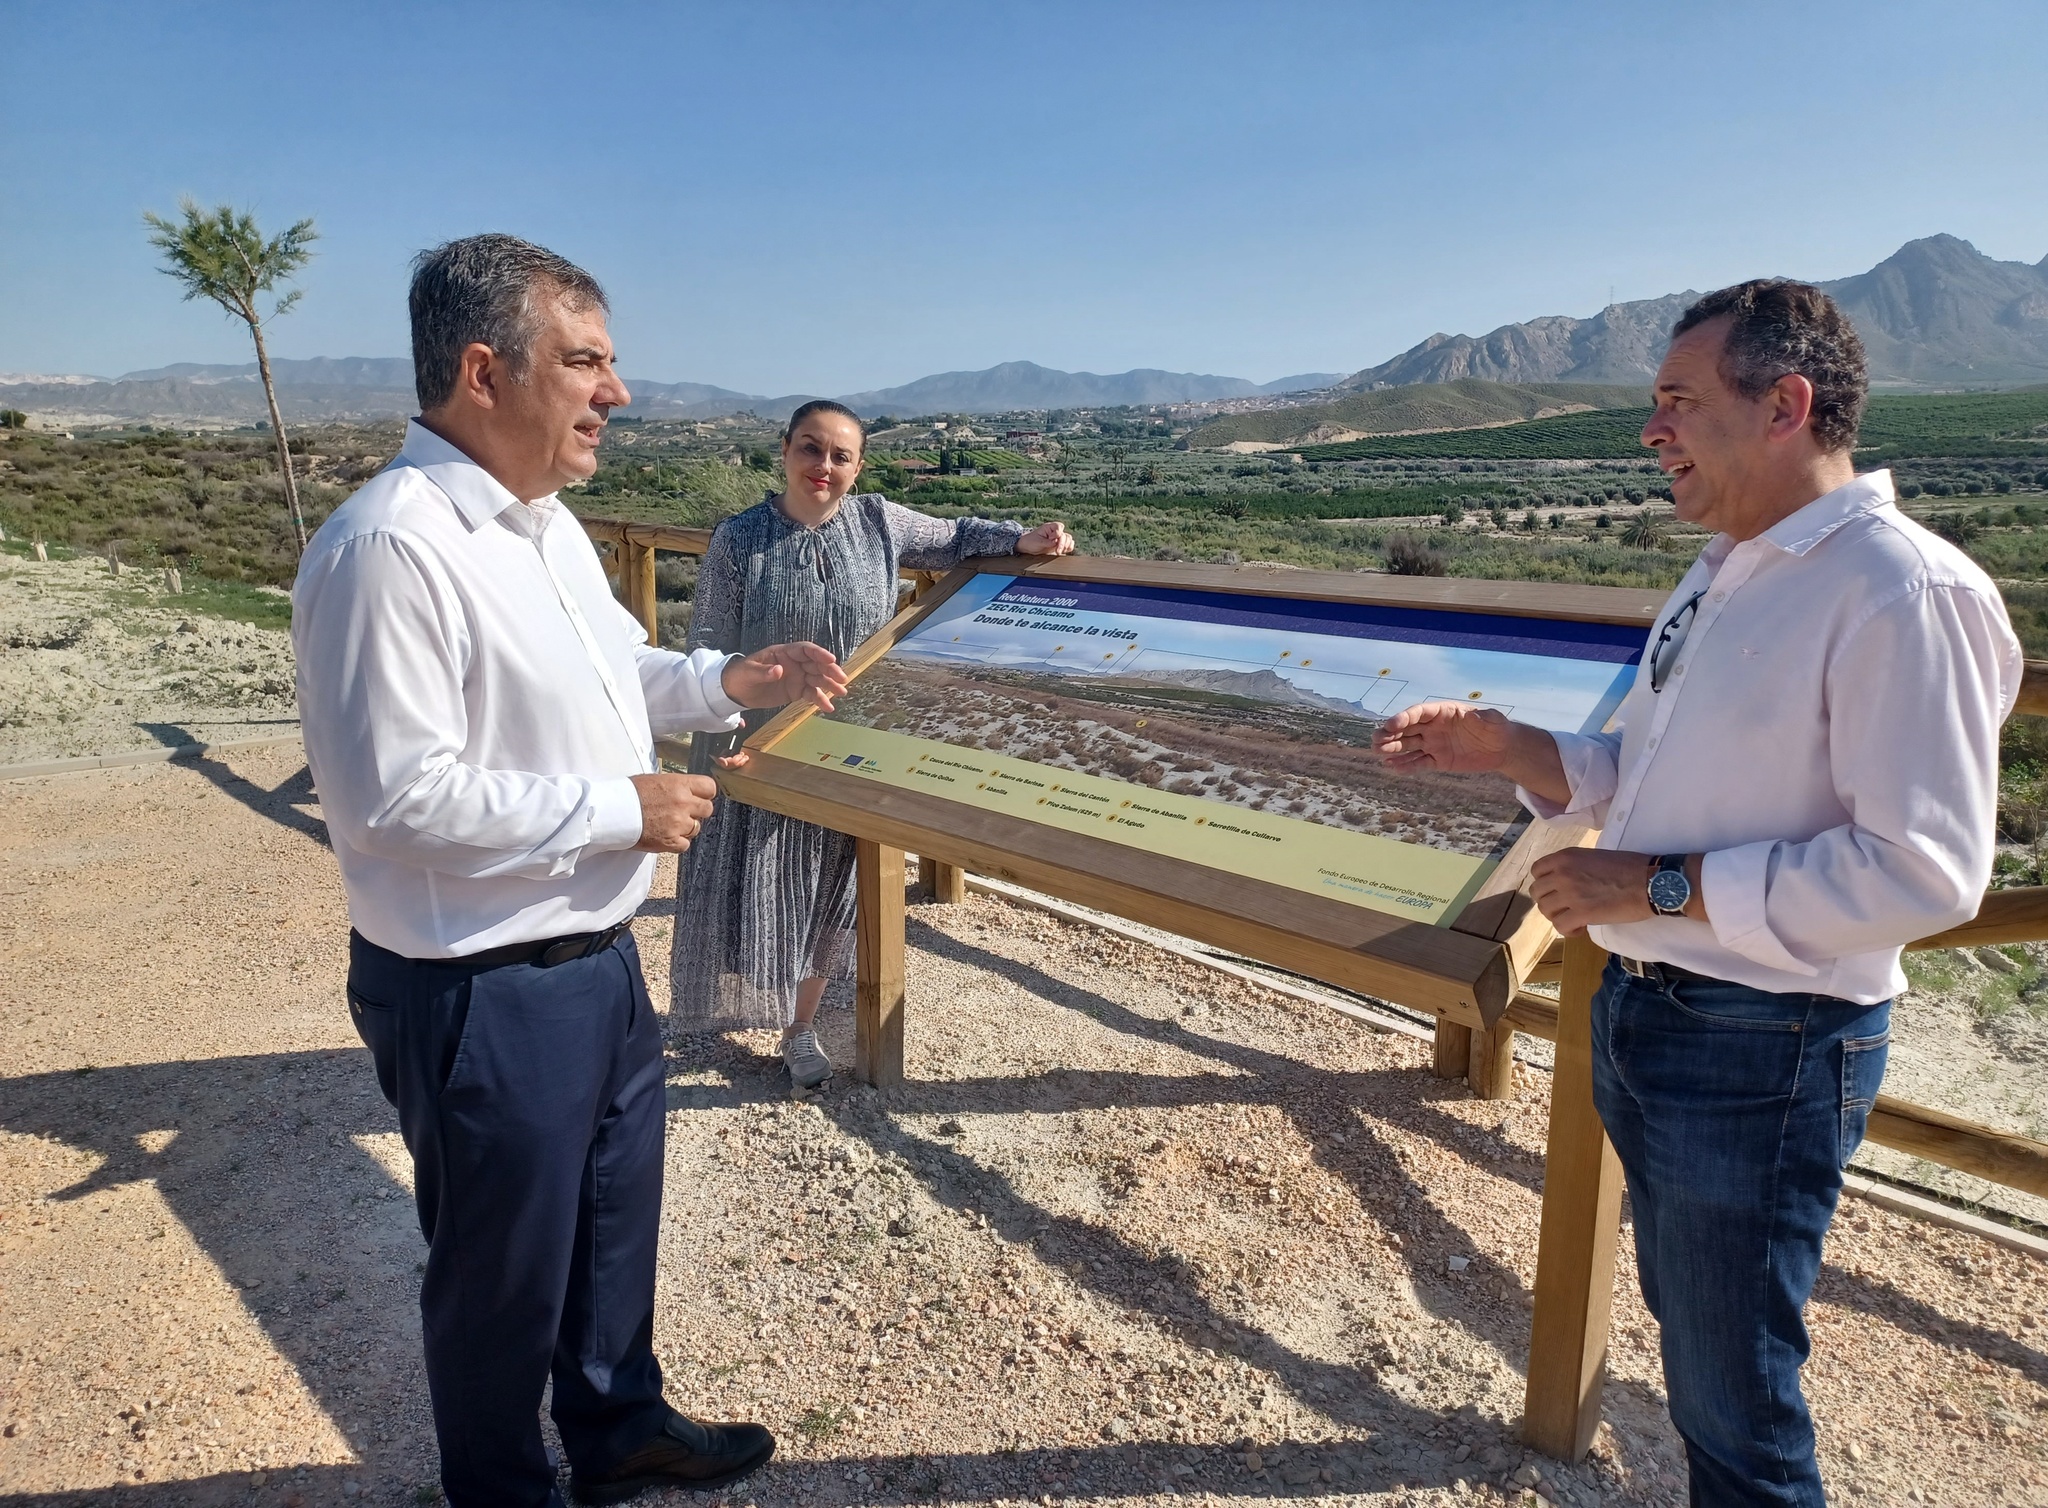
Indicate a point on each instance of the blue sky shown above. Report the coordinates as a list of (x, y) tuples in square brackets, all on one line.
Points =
[(1386, 676), (825, 198)]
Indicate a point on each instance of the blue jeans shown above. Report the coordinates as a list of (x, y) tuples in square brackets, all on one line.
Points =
[(1734, 1112), (533, 1103)]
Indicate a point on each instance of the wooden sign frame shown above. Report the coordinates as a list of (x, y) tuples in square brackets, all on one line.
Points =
[(1465, 973)]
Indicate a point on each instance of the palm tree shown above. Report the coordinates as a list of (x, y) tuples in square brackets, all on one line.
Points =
[(1643, 532), (221, 255)]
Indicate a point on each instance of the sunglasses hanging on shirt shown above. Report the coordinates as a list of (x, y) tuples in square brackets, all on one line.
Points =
[(1672, 640)]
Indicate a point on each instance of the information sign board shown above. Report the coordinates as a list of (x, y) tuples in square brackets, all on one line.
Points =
[(1190, 747), (1218, 728)]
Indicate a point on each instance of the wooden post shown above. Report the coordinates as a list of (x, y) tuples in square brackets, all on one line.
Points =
[(636, 576), (878, 967), (947, 882), (1492, 1070), (1581, 1221), (1453, 1049)]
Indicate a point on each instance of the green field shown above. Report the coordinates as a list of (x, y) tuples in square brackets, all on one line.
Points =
[(1938, 418), (1610, 434), (1946, 425), (1423, 406)]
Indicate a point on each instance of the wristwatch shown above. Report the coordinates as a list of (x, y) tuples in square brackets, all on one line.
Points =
[(1670, 890)]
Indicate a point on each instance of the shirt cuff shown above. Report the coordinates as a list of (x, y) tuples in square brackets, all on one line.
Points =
[(615, 820), (1735, 883), (716, 702), (1589, 774)]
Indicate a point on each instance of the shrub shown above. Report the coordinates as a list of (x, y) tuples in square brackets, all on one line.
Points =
[(1409, 556), (1956, 528), (1604, 521), (1643, 532)]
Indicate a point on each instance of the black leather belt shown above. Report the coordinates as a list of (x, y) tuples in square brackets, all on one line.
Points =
[(547, 953)]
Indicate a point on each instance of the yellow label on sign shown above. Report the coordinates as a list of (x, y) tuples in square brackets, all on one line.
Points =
[(1362, 869)]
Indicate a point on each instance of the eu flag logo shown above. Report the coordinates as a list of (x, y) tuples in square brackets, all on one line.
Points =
[(851, 759)]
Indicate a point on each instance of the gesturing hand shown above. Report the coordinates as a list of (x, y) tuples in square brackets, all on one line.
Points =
[(673, 810), (1047, 539), (784, 673), (1445, 736)]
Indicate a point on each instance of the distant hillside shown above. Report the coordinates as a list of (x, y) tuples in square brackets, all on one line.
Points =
[(1894, 425), (1252, 685), (385, 372), (700, 400), (375, 387), (1621, 344), (1936, 313), (1019, 385), (1301, 382), (1602, 434), (1463, 404)]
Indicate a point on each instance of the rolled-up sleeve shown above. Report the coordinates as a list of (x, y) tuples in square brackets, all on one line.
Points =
[(1915, 698), (925, 543), (381, 648), (1591, 762)]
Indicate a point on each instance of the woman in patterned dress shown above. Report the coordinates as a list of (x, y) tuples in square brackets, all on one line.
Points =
[(765, 903)]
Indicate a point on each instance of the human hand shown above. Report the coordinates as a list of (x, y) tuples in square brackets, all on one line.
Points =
[(1577, 888), (785, 673), (1047, 539), (673, 810), (1445, 736)]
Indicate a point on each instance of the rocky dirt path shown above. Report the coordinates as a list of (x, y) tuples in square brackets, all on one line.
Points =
[(1134, 1231)]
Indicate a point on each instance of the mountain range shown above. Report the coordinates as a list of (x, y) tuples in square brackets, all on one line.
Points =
[(1252, 685), (379, 387), (1937, 313)]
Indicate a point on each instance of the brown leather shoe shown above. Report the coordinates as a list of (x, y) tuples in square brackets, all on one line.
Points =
[(686, 1454)]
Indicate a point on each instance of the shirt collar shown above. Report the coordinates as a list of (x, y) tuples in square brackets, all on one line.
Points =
[(478, 496), (1825, 514)]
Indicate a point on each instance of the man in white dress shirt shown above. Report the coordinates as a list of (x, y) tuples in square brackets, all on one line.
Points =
[(480, 716), (1804, 778)]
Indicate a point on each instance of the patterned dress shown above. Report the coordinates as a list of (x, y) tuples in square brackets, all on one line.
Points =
[(765, 901)]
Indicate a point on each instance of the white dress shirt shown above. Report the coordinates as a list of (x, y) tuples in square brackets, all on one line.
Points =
[(1827, 737), (475, 703)]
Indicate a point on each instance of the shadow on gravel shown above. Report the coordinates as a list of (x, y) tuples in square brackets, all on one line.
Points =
[(265, 1174), (291, 804), (320, 1242)]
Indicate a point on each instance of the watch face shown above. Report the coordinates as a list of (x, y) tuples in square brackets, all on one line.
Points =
[(1669, 890)]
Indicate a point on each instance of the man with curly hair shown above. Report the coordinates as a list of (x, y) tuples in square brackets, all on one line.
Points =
[(1802, 780)]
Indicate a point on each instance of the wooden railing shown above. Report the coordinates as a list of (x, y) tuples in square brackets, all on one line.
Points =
[(2006, 916)]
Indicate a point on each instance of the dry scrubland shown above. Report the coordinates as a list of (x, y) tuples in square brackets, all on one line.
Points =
[(94, 663), (1134, 1230)]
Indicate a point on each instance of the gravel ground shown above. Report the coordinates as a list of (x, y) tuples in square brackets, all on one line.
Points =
[(1134, 1231), (96, 664)]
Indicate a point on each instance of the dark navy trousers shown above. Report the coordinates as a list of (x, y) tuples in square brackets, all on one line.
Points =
[(533, 1103)]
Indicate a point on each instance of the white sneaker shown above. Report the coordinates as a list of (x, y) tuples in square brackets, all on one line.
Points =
[(808, 1066)]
